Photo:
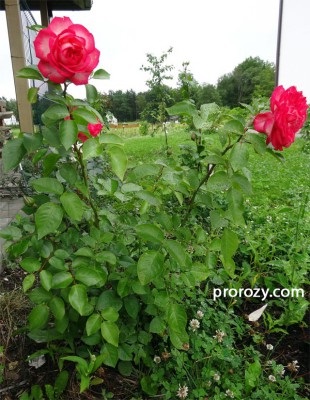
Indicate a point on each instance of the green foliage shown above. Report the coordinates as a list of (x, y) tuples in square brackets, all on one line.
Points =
[(117, 254)]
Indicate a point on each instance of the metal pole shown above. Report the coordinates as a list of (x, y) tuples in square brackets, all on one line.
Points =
[(279, 42)]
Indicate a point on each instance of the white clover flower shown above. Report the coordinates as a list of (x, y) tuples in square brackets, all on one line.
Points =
[(182, 392), (269, 346), (219, 335), (194, 324), (216, 377), (157, 359), (199, 314), (272, 378), (229, 393)]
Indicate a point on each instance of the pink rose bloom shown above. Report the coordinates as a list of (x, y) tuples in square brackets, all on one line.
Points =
[(95, 129), (66, 52), (82, 137), (288, 113)]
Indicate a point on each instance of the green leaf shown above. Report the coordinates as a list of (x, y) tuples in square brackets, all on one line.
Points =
[(51, 135), (93, 324), (68, 132), (110, 314), (28, 282), (218, 182), (47, 185), (32, 95), (150, 266), (32, 141), (84, 115), (79, 301), (110, 138), (73, 205), (90, 276), (91, 149), (239, 156), (118, 161), (11, 233), (148, 197), (12, 154), (38, 317), (61, 382), (176, 251), (61, 280), (101, 74), (109, 298), (110, 355), (55, 113), (157, 325), (91, 93), (48, 218), (106, 256), (208, 109), (132, 306), (185, 107), (49, 163), (30, 72), (46, 280), (30, 264), (252, 375), (177, 321), (57, 307), (110, 332), (229, 246), (150, 232), (258, 141), (68, 173), (235, 207), (125, 368), (240, 181), (234, 126)]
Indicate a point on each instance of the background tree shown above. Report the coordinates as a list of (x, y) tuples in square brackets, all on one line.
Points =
[(207, 93), (250, 78), (159, 96)]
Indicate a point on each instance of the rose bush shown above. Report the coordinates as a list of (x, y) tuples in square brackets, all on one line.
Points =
[(117, 257), (66, 52), (287, 116)]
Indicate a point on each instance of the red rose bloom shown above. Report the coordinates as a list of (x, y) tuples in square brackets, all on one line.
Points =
[(287, 116), (66, 52)]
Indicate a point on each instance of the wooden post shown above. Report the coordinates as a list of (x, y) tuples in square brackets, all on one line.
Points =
[(15, 32)]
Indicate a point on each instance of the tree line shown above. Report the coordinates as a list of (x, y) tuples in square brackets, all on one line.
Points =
[(252, 78)]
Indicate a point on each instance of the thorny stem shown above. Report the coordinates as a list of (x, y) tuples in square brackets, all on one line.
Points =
[(84, 174), (210, 170)]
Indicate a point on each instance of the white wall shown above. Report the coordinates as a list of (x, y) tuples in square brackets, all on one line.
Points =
[(294, 66)]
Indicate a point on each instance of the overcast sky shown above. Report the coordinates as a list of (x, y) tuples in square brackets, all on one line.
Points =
[(213, 35)]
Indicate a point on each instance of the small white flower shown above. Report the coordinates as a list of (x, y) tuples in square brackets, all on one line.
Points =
[(229, 393), (199, 314), (216, 377), (194, 324), (182, 392), (157, 359), (272, 378), (269, 346), (219, 335), (282, 371)]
